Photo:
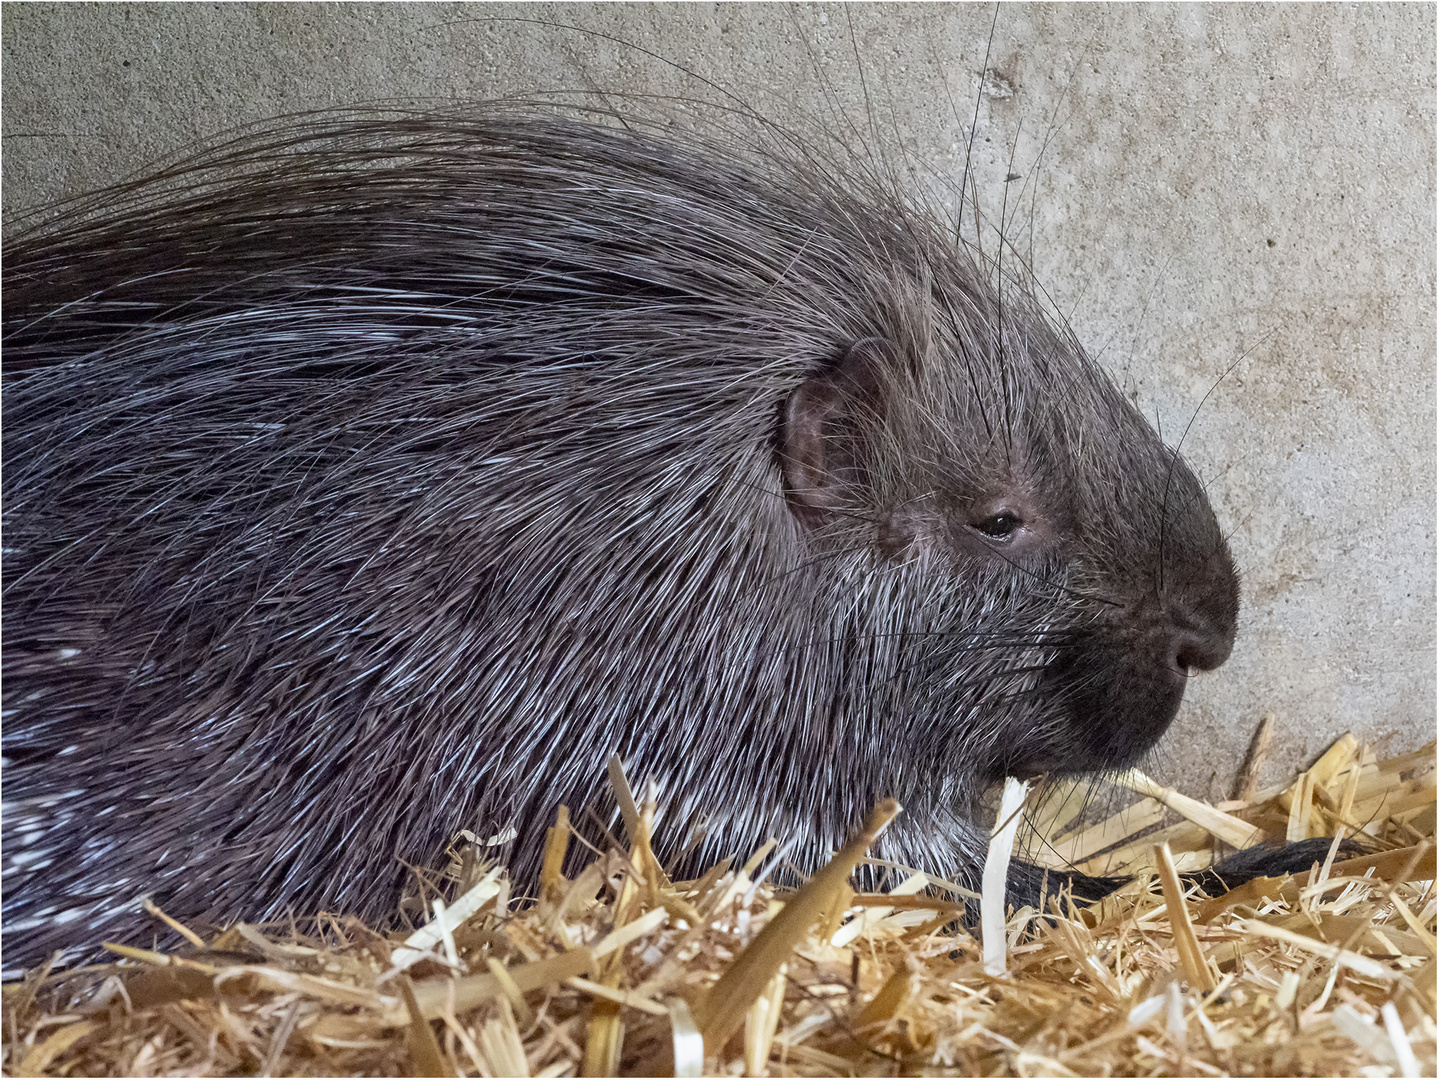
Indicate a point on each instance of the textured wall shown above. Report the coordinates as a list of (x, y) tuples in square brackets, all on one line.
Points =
[(1203, 190)]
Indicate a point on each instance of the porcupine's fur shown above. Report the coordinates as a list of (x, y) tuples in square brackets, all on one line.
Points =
[(378, 478)]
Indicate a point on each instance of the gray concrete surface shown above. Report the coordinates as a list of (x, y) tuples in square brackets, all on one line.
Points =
[(1205, 190)]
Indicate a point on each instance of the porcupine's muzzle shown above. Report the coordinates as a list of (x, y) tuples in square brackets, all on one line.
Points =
[(1117, 695), (1114, 685), (1123, 681)]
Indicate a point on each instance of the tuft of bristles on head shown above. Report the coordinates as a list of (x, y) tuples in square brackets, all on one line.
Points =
[(379, 477)]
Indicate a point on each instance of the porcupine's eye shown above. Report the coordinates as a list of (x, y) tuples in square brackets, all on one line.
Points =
[(1000, 526)]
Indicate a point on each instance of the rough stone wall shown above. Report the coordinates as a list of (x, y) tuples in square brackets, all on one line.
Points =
[(1234, 206)]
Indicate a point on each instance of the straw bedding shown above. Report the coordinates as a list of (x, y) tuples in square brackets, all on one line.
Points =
[(618, 970)]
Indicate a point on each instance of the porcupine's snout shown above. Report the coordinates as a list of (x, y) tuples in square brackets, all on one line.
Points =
[(1126, 676)]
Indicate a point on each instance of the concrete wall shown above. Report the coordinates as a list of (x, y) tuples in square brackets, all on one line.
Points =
[(1205, 190)]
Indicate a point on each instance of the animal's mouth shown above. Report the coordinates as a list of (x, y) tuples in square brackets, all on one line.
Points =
[(1031, 768), (1038, 769), (1110, 698), (1109, 728), (1032, 765)]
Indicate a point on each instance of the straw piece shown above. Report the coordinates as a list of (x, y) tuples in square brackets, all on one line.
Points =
[(605, 1034), (1095, 839), (557, 842), (630, 932), (996, 876), (627, 998), (1360, 965), (1251, 893), (702, 890), (447, 937), (689, 1044), (1301, 800), (1364, 1033), (511, 990), (271, 950), (1391, 864), (886, 1004), (897, 901), (839, 907), (1420, 934), (503, 1049), (418, 945), (722, 1009), (605, 1041), (39, 1059), (1191, 843), (1342, 755), (1191, 957), (153, 987), (129, 952), (624, 795), (761, 1021), (656, 882), (424, 1050), (1399, 1038), (1254, 759), (872, 915), (329, 990), (1232, 830), (761, 853), (436, 995), (1353, 928), (1346, 799), (1422, 760), (1053, 807), (184, 931)]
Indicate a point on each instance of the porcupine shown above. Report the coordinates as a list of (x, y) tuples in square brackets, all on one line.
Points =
[(380, 476)]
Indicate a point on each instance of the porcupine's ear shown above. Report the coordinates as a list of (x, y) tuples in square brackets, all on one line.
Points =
[(827, 422)]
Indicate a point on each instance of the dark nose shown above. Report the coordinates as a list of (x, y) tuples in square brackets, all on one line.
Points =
[(1199, 650)]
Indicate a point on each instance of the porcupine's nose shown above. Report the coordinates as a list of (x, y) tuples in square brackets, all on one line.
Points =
[(1197, 623), (1198, 628), (1199, 650), (1199, 598)]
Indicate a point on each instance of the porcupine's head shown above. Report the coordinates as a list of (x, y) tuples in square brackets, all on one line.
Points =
[(1052, 572)]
